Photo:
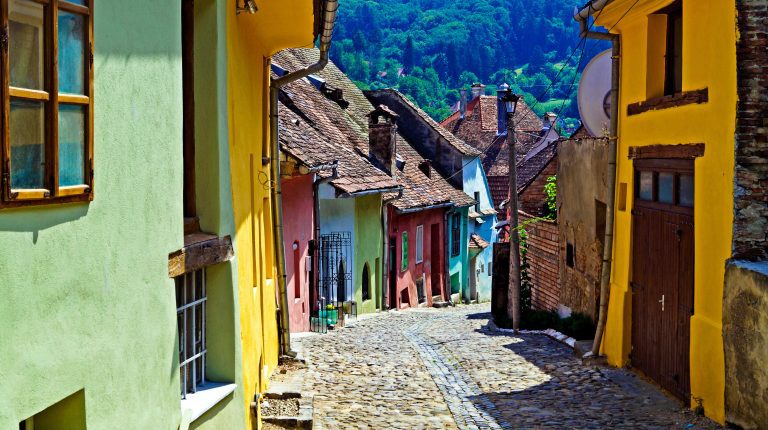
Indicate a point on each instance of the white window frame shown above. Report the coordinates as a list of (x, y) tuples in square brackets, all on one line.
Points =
[(419, 244)]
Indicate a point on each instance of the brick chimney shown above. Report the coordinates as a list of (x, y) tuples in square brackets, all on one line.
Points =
[(382, 133), (478, 90), (501, 109), (463, 104)]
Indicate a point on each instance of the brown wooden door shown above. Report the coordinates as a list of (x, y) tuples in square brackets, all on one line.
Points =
[(662, 272)]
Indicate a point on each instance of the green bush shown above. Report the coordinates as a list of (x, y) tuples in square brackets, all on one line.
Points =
[(578, 326)]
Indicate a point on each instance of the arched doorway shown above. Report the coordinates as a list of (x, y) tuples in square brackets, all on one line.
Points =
[(366, 284)]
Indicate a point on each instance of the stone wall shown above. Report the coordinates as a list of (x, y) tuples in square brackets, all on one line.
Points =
[(745, 335), (543, 258), (582, 193), (750, 228)]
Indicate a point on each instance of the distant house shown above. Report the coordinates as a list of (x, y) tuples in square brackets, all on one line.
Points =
[(481, 123), (470, 268), (318, 141)]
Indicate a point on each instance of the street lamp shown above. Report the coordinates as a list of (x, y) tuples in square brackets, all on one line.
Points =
[(510, 99)]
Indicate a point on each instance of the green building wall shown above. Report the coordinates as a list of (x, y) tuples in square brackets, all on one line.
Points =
[(88, 310), (368, 248)]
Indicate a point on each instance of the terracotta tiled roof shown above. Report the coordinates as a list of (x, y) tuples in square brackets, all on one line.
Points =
[(531, 166), (346, 132), (477, 242), (479, 129)]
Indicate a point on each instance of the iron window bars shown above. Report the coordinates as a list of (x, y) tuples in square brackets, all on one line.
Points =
[(191, 298)]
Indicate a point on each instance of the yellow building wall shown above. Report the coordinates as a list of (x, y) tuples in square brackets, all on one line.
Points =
[(251, 40), (709, 58)]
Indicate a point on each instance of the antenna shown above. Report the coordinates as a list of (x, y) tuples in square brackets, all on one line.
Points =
[(594, 97)]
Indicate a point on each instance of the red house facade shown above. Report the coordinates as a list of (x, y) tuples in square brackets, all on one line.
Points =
[(417, 257)]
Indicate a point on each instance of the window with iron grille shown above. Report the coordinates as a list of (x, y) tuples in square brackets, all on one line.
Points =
[(191, 297), (455, 235)]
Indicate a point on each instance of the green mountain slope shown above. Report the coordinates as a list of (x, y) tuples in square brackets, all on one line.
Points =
[(429, 49)]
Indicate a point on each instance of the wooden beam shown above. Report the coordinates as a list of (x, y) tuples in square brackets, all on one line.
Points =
[(200, 250), (685, 151)]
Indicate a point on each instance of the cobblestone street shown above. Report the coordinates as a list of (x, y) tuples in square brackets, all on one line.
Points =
[(442, 369)]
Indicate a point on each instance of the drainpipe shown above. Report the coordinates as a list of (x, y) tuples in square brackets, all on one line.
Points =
[(384, 224), (582, 17), (330, 7)]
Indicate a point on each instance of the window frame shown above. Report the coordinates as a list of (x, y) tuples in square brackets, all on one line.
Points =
[(183, 307), (404, 252), (53, 193), (419, 244), (674, 12), (456, 235)]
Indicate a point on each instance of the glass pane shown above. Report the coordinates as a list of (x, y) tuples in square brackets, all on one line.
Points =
[(686, 190), (71, 53), (26, 44), (80, 2), (646, 186), (71, 145), (667, 188), (27, 124)]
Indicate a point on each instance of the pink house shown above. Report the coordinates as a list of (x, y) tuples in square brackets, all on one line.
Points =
[(298, 226)]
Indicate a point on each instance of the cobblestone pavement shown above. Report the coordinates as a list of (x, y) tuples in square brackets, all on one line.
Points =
[(441, 369)]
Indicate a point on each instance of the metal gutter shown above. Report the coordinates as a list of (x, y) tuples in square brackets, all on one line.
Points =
[(424, 208), (369, 192), (330, 8), (582, 17)]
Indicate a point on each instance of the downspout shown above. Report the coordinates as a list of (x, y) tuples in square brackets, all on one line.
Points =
[(384, 228), (330, 7), (582, 17)]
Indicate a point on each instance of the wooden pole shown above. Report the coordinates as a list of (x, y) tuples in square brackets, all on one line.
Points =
[(513, 293)]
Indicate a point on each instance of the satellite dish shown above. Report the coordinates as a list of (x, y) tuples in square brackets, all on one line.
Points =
[(594, 96)]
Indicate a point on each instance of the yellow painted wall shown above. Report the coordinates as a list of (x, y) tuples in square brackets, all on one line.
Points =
[(709, 58), (251, 40)]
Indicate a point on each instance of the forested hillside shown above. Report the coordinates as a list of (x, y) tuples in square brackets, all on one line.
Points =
[(429, 49)]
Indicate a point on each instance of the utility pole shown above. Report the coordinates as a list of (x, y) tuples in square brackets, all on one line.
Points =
[(513, 293)]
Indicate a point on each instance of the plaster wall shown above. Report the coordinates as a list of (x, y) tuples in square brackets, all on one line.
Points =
[(250, 40), (582, 186), (298, 228), (406, 279), (87, 301), (709, 61), (337, 216), (367, 248), (458, 265), (745, 330), (476, 181)]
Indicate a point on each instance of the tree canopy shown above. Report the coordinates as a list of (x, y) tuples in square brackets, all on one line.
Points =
[(430, 49)]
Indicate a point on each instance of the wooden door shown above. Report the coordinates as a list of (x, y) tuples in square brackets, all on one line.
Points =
[(393, 272), (662, 272)]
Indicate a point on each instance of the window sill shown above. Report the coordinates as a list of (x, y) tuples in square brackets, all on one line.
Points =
[(207, 396)]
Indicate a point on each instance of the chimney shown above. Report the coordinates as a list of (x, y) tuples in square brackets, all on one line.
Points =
[(382, 133), (478, 90), (502, 109), (550, 118), (463, 104)]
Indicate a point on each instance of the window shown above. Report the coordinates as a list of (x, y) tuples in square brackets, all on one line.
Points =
[(419, 244), (366, 282), (673, 79), (570, 255), (404, 252), (191, 298), (477, 202), (455, 235), (297, 274), (48, 141), (665, 182)]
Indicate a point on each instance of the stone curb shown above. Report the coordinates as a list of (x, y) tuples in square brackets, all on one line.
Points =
[(553, 334)]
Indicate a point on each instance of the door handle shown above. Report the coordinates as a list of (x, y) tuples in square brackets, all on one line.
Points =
[(662, 302)]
